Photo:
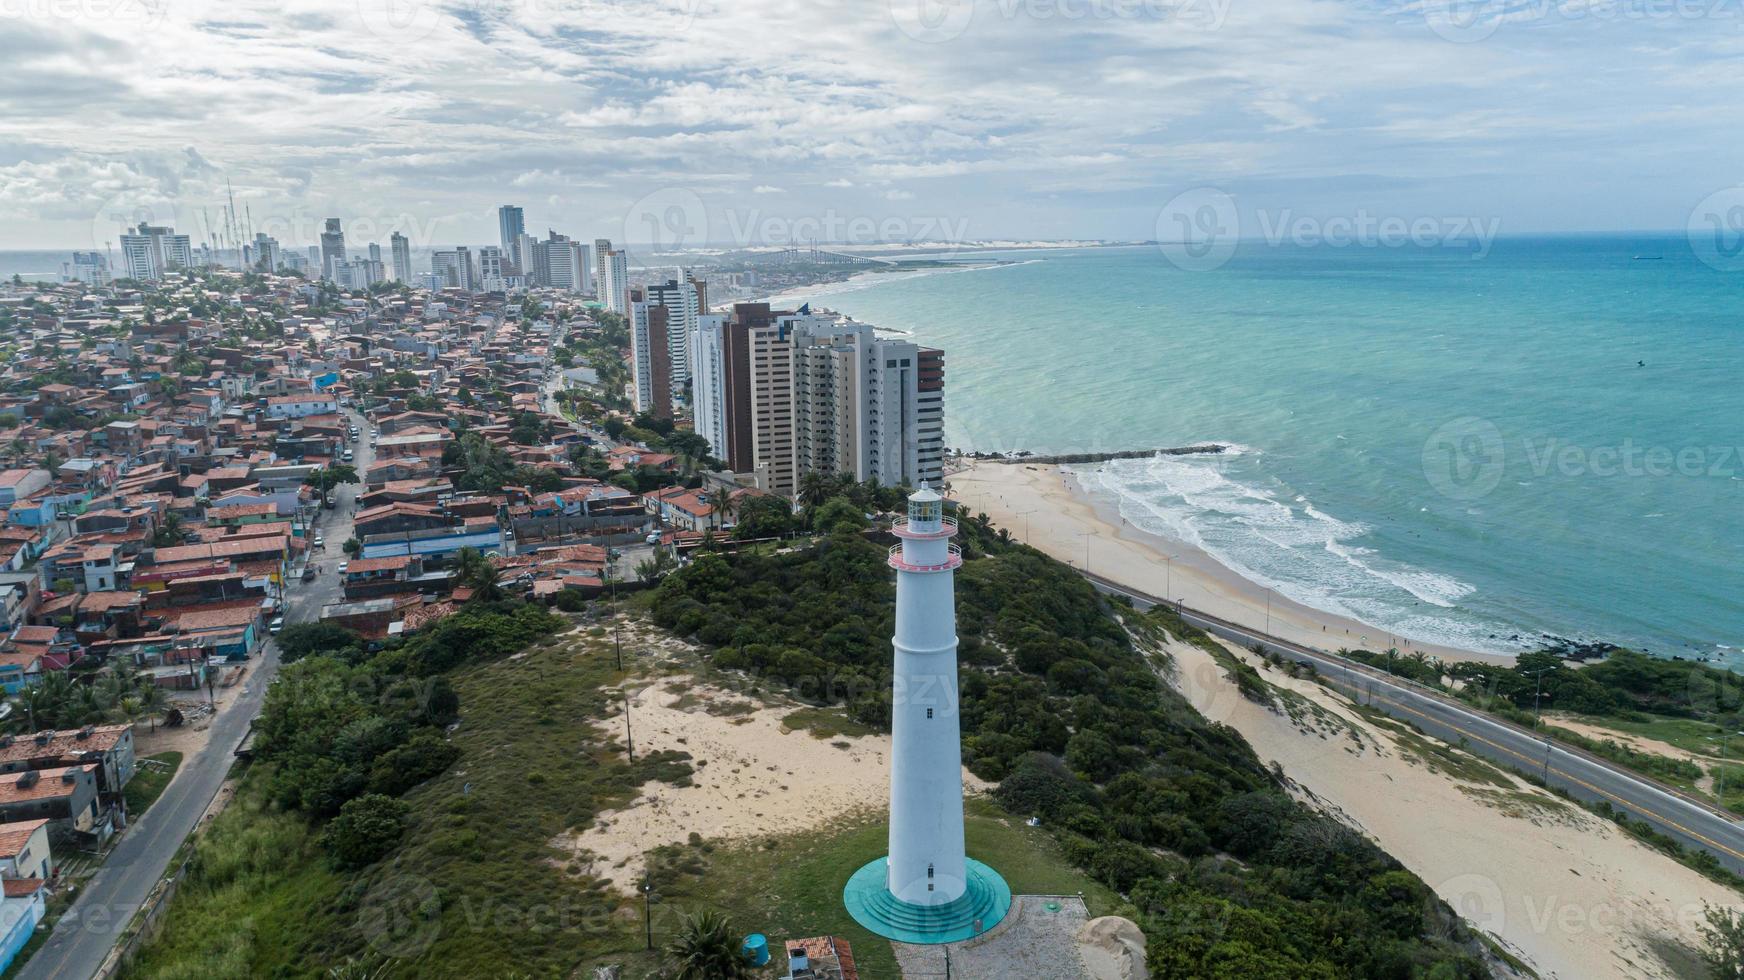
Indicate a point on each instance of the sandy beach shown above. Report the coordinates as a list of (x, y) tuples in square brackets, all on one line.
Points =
[(754, 777), (1561, 888), (1043, 506)]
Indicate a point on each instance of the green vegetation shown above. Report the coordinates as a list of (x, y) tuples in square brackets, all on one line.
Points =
[(1688, 705), (149, 781), (795, 883), (1228, 875)]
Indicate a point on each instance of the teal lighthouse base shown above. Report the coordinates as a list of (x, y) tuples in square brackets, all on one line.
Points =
[(982, 905)]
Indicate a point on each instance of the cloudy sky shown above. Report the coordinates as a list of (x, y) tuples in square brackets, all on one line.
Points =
[(750, 121)]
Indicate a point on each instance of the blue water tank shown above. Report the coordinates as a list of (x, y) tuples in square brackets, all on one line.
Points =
[(756, 949)]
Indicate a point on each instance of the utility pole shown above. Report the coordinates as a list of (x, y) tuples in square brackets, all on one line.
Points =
[(1268, 612), (629, 743), (1025, 515), (1086, 535), (1537, 696)]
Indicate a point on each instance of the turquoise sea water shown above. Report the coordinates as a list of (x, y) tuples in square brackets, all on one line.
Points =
[(1546, 440)]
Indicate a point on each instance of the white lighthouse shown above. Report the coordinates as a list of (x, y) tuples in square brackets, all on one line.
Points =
[(927, 890)]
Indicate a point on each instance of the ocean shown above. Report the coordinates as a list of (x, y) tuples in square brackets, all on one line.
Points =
[(1480, 452)]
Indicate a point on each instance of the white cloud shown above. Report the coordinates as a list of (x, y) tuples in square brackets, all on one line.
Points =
[(767, 189), (1025, 120)]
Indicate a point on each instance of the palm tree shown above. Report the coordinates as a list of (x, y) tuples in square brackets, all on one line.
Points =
[(706, 950)]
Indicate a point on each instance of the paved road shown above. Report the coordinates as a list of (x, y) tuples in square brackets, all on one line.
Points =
[(1692, 822), (107, 901)]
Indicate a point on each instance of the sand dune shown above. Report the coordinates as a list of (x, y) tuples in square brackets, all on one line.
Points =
[(754, 777), (1563, 889)]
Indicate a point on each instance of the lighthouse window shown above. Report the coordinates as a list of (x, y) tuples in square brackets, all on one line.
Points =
[(929, 872), (929, 712)]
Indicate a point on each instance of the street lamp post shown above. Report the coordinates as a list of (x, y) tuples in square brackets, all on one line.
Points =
[(1268, 611), (1168, 576), (647, 914), (1538, 694), (1086, 535), (1720, 782), (1025, 515)]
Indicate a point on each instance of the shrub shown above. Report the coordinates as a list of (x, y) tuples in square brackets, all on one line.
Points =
[(365, 830)]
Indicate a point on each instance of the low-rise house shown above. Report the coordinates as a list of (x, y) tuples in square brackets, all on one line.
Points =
[(22, 906), (24, 851), (66, 797), (107, 747), (692, 510)]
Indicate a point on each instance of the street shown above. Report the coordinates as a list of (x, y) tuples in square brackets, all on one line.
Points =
[(84, 935), (1693, 823)]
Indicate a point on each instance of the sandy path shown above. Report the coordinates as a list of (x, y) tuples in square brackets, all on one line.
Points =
[(753, 778), (1043, 503), (1563, 889)]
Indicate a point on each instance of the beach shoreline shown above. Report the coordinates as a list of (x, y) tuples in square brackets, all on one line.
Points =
[(1047, 506)]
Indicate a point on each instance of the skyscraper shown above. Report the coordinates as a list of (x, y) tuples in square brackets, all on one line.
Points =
[(683, 301), (332, 248), (859, 404), (402, 250), (491, 269), (650, 365), (600, 247), (614, 280), (708, 380), (510, 225), (566, 265), (532, 260), (267, 256), (153, 250), (927, 890)]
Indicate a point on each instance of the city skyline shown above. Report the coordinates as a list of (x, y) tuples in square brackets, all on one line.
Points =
[(902, 117)]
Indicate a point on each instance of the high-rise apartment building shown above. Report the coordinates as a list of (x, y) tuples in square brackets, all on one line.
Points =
[(332, 248), (816, 392), (511, 226), (454, 266), (493, 266), (600, 247), (266, 255), (614, 280), (684, 303), (90, 268), (401, 247), (153, 250), (650, 364), (566, 264), (708, 380)]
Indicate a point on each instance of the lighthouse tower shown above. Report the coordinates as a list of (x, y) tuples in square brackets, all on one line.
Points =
[(927, 890)]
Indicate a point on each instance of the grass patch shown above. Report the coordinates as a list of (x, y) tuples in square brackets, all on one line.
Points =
[(258, 893), (149, 782), (825, 723), (476, 888), (791, 887)]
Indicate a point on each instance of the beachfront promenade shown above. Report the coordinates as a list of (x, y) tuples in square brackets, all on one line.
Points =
[(1585, 777)]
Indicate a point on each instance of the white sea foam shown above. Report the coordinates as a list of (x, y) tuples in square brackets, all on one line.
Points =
[(1280, 540)]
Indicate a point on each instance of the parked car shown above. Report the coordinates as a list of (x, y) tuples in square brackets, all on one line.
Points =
[(342, 567), (277, 624)]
